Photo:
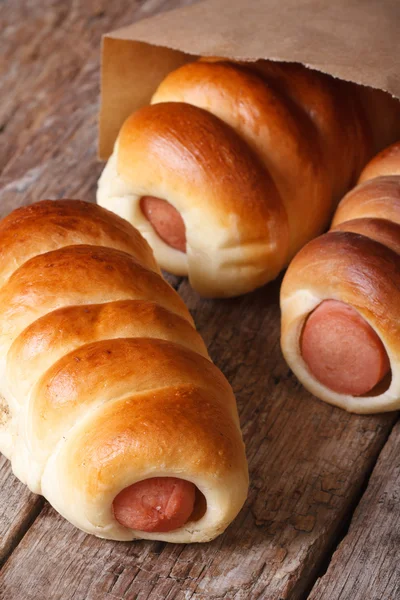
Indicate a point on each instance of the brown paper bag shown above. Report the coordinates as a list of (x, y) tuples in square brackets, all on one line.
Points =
[(355, 40)]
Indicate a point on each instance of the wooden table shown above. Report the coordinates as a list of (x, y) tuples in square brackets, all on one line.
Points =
[(322, 517)]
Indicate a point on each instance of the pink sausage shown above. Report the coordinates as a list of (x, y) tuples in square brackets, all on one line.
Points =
[(342, 350), (155, 505), (166, 221)]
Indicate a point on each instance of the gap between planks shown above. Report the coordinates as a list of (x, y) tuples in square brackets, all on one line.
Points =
[(348, 518), (365, 565), (18, 510)]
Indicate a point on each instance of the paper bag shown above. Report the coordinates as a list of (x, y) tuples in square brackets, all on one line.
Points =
[(355, 40)]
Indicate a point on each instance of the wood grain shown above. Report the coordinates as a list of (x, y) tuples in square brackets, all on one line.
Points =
[(18, 508), (45, 47), (366, 564), (308, 461), (49, 76)]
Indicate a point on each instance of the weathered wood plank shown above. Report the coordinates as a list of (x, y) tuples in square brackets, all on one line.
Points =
[(18, 508), (307, 461), (33, 36), (45, 46), (366, 564)]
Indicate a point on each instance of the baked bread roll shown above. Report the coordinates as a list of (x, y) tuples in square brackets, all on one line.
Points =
[(340, 298), (112, 408), (234, 167)]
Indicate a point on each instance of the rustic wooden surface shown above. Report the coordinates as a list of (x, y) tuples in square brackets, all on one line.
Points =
[(366, 564), (309, 462), (18, 509)]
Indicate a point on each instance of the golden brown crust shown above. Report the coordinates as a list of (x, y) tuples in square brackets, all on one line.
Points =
[(311, 134), (77, 275), (262, 117), (326, 102), (378, 197), (76, 381), (49, 225), (99, 350), (386, 163), (63, 330), (204, 154), (381, 230), (358, 263), (219, 187), (136, 437), (351, 265), (210, 441)]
